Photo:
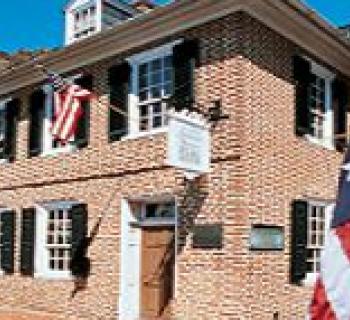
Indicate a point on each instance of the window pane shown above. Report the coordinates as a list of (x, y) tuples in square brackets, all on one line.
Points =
[(156, 78), (156, 92), (143, 69), (168, 88), (157, 108), (168, 62), (168, 75), (156, 65), (50, 239), (143, 82), (157, 122), (143, 96), (144, 111)]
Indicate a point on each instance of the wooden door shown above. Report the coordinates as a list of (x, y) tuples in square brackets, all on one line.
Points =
[(157, 271)]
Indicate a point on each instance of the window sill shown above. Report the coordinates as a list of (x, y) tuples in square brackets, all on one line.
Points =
[(57, 151), (320, 143), (310, 279), (49, 275), (4, 161), (145, 134)]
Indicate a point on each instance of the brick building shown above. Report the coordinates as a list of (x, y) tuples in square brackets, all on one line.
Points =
[(281, 74)]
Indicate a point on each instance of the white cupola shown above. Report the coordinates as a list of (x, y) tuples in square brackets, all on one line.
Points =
[(84, 18)]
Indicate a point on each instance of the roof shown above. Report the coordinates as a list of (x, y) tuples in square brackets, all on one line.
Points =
[(289, 18), (22, 56)]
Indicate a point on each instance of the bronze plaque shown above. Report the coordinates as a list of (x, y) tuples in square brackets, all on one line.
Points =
[(207, 236), (266, 237)]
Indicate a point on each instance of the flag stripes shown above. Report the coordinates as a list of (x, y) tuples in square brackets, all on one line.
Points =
[(332, 291), (68, 111), (67, 106)]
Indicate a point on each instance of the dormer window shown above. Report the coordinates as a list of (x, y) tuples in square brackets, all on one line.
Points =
[(85, 22), (87, 17)]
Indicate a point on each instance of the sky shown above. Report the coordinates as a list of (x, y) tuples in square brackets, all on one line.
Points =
[(39, 23)]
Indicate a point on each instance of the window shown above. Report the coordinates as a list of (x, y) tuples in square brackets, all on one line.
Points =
[(53, 240), (49, 145), (154, 88), (320, 106), (59, 239), (151, 88), (2, 133), (315, 112), (317, 104), (43, 116), (159, 210), (318, 223), (8, 129), (56, 230), (84, 22)]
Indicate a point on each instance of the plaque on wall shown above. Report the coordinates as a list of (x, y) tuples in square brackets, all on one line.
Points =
[(207, 236), (266, 237)]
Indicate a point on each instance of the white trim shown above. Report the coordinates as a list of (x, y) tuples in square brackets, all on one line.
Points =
[(133, 99), (130, 246), (41, 258), (146, 134), (153, 53), (328, 124), (4, 102), (311, 277), (130, 265)]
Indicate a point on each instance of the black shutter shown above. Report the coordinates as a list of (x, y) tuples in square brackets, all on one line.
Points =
[(340, 105), (79, 231), (118, 80), (302, 77), (7, 241), (12, 110), (185, 59), (83, 126), (37, 108), (298, 241), (27, 241)]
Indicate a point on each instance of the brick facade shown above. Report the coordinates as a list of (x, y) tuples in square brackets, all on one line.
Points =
[(258, 168)]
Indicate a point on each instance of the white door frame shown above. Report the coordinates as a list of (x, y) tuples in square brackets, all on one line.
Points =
[(130, 262)]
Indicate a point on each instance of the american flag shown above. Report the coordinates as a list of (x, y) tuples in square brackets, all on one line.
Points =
[(331, 299), (67, 100)]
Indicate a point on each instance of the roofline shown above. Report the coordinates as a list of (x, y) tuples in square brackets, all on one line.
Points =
[(288, 17)]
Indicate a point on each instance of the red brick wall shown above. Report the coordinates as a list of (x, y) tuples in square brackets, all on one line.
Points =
[(258, 168)]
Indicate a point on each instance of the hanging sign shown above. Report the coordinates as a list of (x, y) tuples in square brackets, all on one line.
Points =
[(188, 142)]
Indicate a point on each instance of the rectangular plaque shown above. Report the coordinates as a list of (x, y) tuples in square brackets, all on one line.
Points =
[(188, 143), (266, 237), (208, 236)]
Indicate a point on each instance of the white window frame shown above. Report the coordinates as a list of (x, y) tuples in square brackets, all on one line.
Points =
[(311, 277), (328, 125), (82, 27), (41, 254), (133, 100)]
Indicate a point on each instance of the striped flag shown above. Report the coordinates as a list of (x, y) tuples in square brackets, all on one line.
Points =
[(331, 299), (67, 107)]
